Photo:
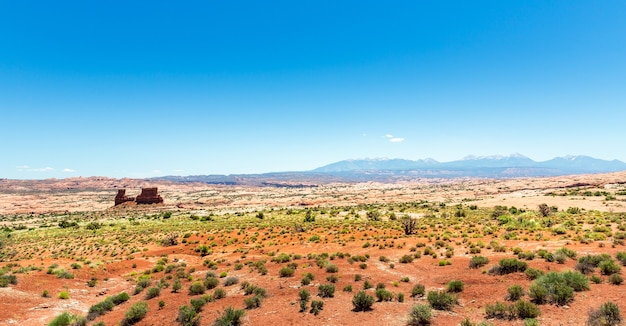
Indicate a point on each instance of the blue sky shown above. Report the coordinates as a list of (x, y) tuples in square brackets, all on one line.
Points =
[(148, 88)]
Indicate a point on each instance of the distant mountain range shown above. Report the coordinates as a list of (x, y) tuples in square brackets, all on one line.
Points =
[(391, 170), (559, 165)]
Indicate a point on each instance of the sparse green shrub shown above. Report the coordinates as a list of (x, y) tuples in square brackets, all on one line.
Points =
[(177, 285), (405, 259), (440, 300), (253, 302), (362, 301), (153, 292), (286, 272), (419, 315), (120, 298), (316, 306), (557, 288), (499, 310), (455, 286), (507, 266), (188, 316), (64, 295), (231, 280), (478, 261), (608, 267), (607, 315), (219, 293), (197, 304), (326, 290), (525, 309), (230, 317), (136, 313), (533, 273), (383, 295), (197, 288), (68, 319), (211, 282), (418, 290), (616, 279), (304, 295), (367, 285), (515, 292)]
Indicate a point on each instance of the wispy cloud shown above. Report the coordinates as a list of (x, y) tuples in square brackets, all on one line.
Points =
[(27, 168), (157, 171), (67, 170), (394, 139)]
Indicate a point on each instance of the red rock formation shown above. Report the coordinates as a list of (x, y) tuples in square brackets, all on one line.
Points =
[(149, 196), (122, 198)]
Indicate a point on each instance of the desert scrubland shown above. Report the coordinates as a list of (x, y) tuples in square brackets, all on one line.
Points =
[(536, 251)]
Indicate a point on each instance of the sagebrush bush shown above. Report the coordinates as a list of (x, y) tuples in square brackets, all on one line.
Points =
[(197, 288), (507, 266), (607, 315), (136, 313), (231, 280), (525, 309), (362, 301), (455, 286), (514, 292), (557, 288), (153, 292), (230, 317), (608, 267), (533, 273), (420, 314), (211, 282), (440, 300), (253, 302), (499, 310), (68, 319), (616, 279), (384, 295), (326, 290), (418, 290), (478, 261), (316, 306), (188, 316), (286, 272)]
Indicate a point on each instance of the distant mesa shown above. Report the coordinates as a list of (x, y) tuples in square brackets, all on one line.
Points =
[(147, 196)]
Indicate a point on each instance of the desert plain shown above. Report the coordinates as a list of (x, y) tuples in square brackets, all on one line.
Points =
[(458, 249)]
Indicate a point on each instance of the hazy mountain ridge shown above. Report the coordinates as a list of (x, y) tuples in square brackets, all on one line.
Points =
[(393, 170), (569, 164)]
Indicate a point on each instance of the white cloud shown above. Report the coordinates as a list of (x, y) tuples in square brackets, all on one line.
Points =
[(27, 168), (179, 170), (394, 139), (157, 171), (66, 170)]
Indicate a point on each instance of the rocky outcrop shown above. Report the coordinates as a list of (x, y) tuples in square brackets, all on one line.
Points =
[(121, 197), (147, 196)]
